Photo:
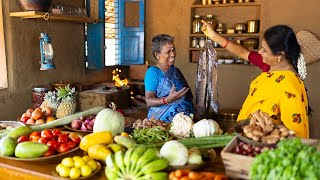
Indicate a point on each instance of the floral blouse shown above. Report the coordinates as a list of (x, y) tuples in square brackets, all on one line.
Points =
[(282, 95)]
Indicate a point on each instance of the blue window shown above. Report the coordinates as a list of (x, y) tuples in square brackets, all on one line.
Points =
[(119, 40)]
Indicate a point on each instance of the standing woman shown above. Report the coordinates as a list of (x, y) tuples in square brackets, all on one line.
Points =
[(279, 90), (167, 91)]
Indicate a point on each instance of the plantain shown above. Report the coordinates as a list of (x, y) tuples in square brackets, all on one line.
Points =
[(136, 154), (148, 156), (154, 166), (119, 156), (125, 141), (126, 159)]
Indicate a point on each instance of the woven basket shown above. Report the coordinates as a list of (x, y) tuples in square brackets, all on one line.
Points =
[(310, 46)]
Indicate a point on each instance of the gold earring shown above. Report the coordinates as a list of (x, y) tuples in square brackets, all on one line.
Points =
[(279, 59)]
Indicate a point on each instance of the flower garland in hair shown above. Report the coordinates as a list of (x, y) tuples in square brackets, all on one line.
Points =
[(302, 69)]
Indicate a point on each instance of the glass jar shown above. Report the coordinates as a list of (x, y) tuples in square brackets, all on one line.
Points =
[(38, 94), (195, 42), (196, 24), (210, 19), (202, 42)]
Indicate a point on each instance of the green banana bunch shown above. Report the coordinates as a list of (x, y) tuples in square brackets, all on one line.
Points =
[(136, 163)]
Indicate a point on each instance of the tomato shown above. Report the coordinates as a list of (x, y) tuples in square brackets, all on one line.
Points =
[(50, 152), (23, 139), (76, 140), (34, 135), (54, 145), (71, 144), (24, 119), (43, 140), (63, 138), (35, 139), (46, 134), (64, 147), (56, 133)]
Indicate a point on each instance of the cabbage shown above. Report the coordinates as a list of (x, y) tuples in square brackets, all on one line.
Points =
[(175, 152), (109, 120), (206, 127)]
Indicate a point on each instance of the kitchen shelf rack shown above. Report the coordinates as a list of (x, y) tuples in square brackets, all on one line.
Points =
[(230, 14), (231, 35), (51, 16)]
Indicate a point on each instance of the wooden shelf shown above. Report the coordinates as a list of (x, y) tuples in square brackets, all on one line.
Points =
[(224, 5), (217, 49), (231, 35), (50, 16), (199, 49)]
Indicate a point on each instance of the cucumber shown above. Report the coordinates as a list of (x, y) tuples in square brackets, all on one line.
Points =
[(30, 149)]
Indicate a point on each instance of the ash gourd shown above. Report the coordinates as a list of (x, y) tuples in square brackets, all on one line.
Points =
[(109, 120)]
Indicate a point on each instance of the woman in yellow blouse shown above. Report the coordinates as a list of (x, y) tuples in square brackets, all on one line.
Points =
[(279, 89)]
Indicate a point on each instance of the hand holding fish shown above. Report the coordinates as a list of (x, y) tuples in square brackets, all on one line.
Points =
[(175, 95), (207, 28)]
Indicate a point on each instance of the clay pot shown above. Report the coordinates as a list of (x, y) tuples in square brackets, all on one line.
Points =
[(34, 5)]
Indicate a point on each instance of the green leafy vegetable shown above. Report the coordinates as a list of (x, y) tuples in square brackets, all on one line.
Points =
[(291, 160)]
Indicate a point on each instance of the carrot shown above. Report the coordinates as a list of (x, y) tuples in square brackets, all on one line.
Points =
[(195, 175), (185, 178), (182, 172), (172, 175)]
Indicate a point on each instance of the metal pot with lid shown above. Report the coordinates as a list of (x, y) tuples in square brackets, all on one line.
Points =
[(227, 119)]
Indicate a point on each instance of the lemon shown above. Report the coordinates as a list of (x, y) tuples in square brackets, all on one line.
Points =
[(75, 173), (86, 170), (76, 157), (93, 164), (64, 171), (58, 167), (79, 163), (86, 159), (68, 162)]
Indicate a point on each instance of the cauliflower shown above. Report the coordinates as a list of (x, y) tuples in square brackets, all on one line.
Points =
[(181, 125)]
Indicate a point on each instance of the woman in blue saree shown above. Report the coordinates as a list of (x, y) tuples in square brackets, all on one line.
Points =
[(167, 91)]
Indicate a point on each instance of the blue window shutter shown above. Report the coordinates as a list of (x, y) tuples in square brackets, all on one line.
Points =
[(131, 38), (95, 39)]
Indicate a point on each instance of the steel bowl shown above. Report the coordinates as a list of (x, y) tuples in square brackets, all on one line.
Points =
[(241, 27), (251, 43), (34, 5)]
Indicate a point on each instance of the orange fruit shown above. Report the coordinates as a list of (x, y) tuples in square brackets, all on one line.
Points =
[(50, 118), (47, 111), (40, 121), (36, 114), (31, 121), (29, 112)]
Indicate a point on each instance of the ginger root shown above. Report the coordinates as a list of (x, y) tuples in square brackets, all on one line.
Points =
[(261, 128)]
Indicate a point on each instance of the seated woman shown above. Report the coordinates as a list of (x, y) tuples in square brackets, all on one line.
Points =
[(167, 92), (279, 90)]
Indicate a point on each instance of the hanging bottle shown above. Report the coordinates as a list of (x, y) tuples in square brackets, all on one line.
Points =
[(196, 24)]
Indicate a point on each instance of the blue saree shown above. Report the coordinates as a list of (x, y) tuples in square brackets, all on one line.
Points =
[(166, 112)]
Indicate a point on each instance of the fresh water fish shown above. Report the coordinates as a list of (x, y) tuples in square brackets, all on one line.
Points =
[(206, 82)]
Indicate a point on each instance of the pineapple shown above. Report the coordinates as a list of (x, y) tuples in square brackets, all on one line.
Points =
[(50, 100), (68, 102)]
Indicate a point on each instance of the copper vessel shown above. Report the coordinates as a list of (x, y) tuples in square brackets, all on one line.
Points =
[(34, 5)]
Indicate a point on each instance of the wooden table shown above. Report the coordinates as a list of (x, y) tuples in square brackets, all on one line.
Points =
[(37, 170), (42, 170)]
